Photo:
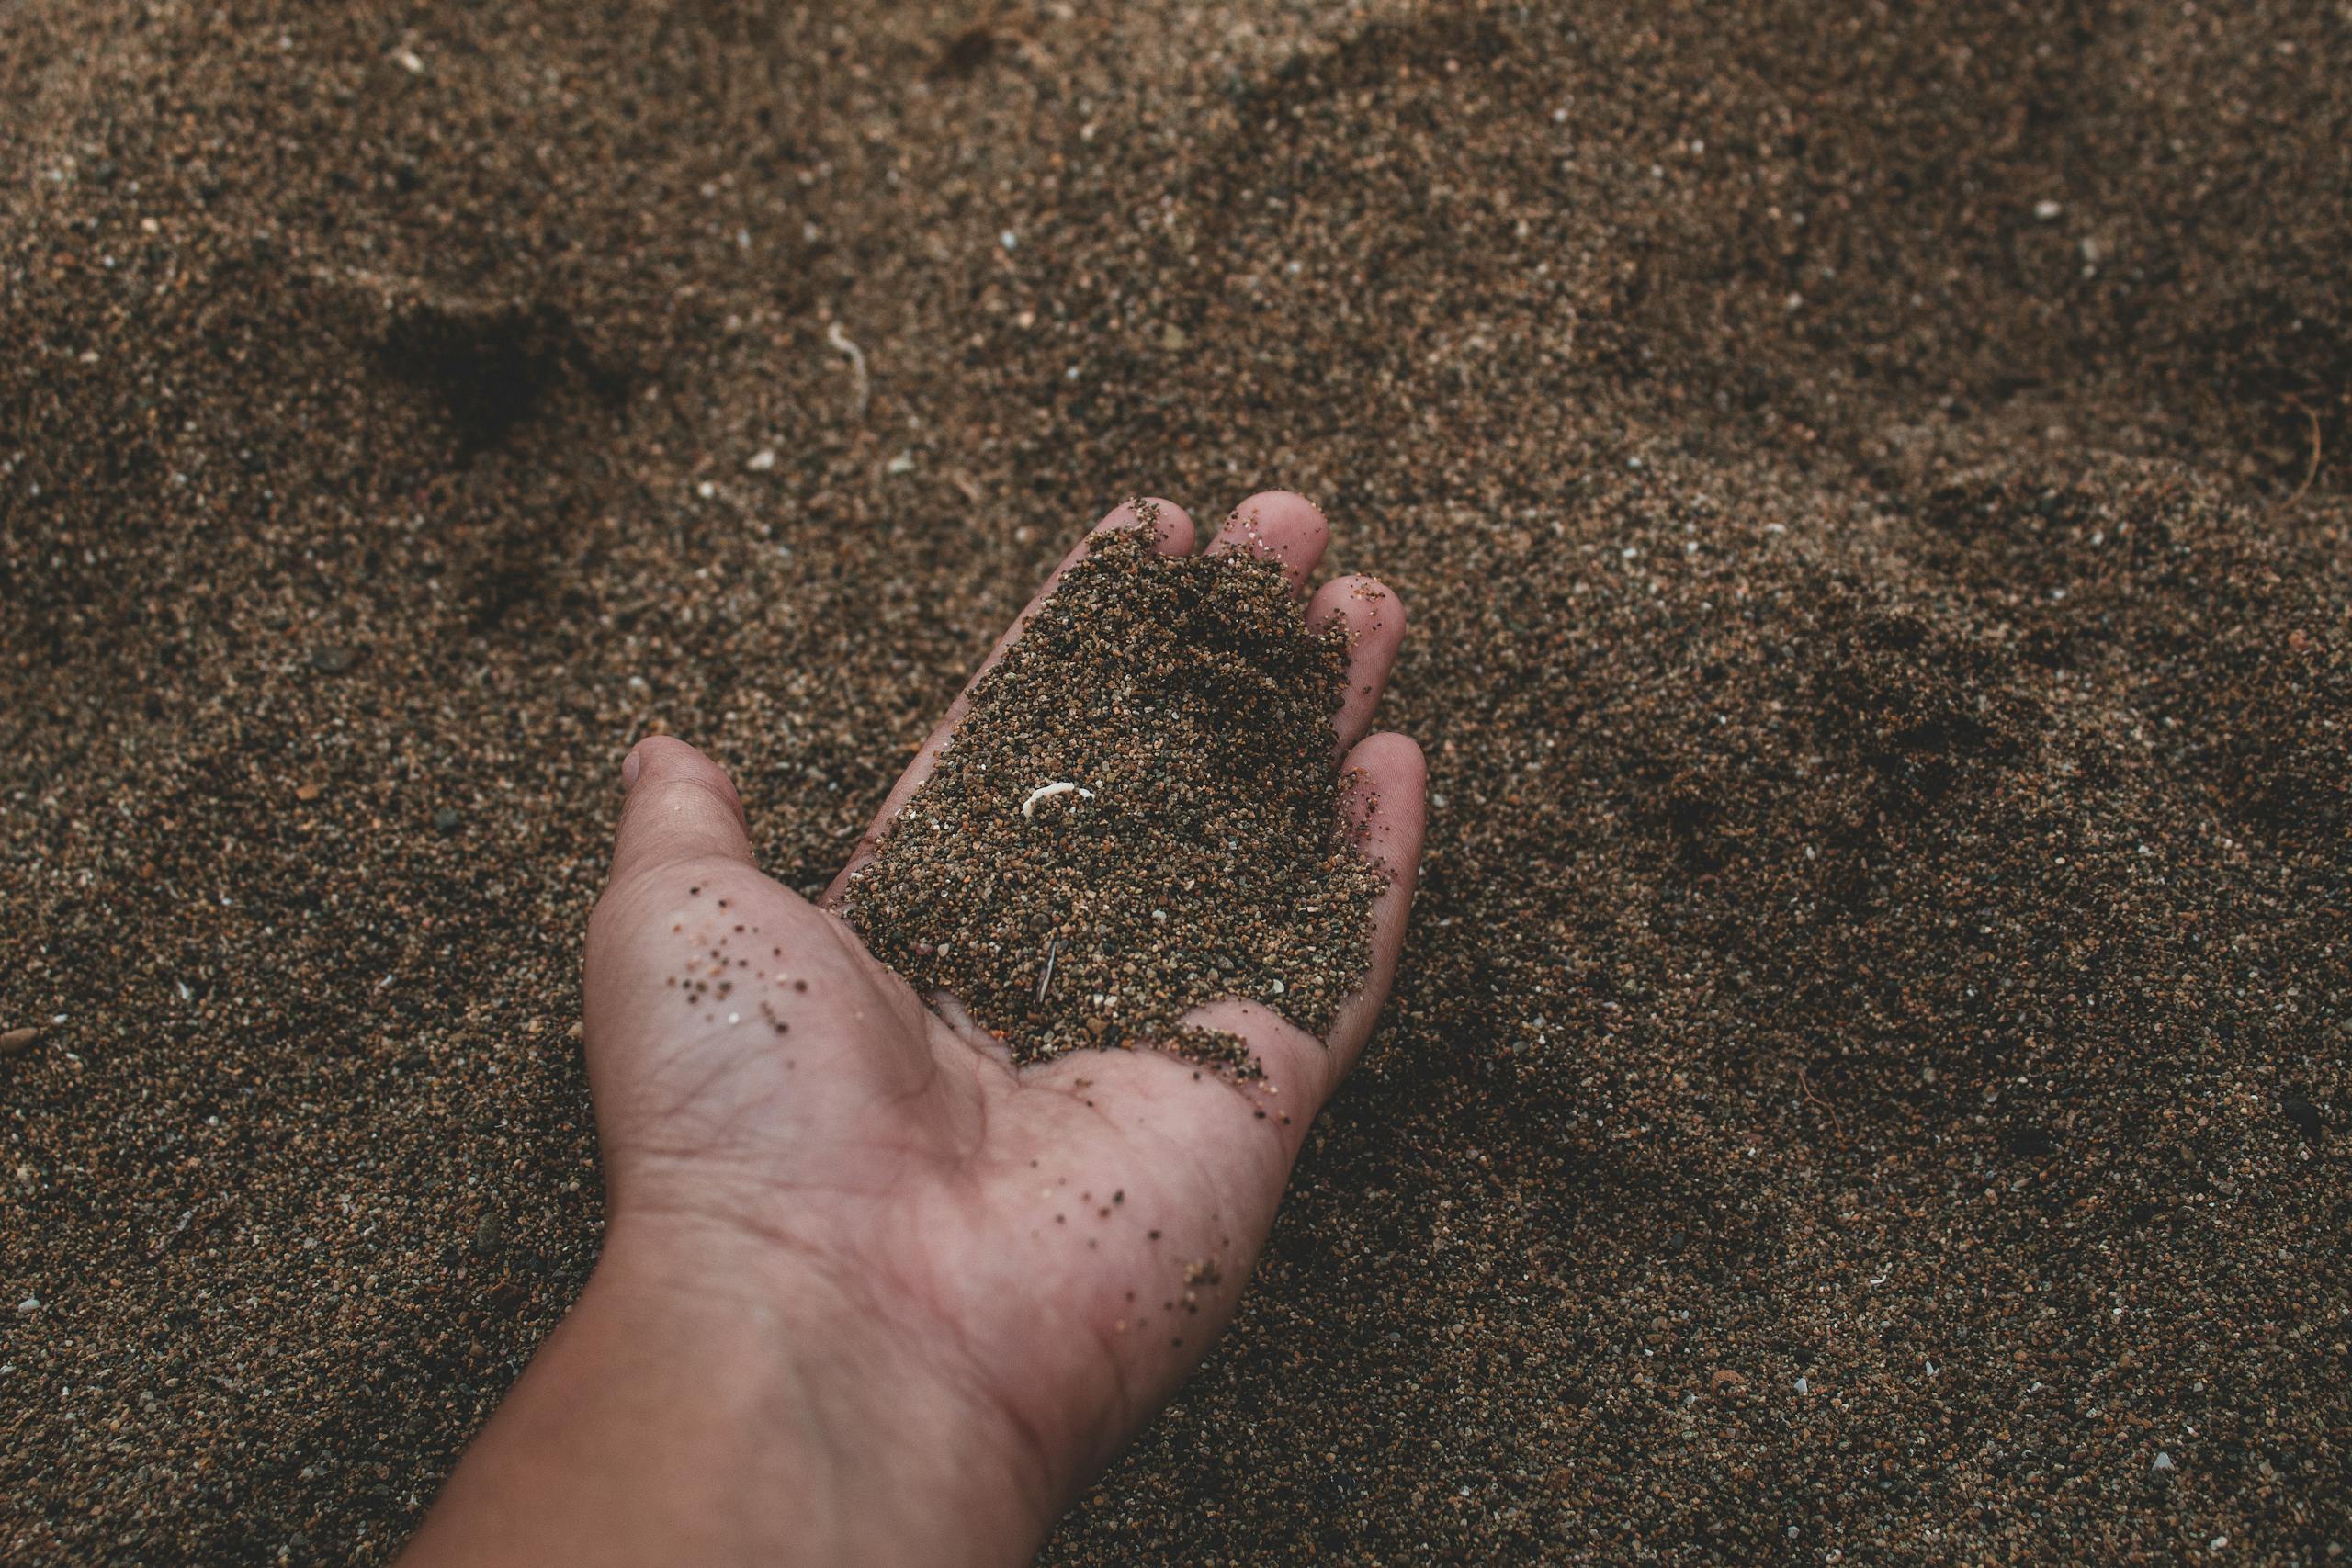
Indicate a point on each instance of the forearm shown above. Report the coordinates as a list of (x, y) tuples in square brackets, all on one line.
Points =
[(694, 1408)]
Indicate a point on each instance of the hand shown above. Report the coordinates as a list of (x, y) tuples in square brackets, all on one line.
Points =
[(869, 1292)]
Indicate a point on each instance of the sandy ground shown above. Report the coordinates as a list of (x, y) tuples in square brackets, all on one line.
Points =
[(1868, 1081)]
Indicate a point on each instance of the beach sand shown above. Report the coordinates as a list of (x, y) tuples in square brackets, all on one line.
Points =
[(1867, 1077)]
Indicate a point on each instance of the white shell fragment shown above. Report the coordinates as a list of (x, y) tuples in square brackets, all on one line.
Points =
[(1047, 792)]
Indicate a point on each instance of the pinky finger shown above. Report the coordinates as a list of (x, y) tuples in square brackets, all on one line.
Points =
[(1387, 784), (1374, 617)]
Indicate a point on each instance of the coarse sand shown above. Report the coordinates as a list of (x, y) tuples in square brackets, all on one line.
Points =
[(1144, 804), (1867, 1078)]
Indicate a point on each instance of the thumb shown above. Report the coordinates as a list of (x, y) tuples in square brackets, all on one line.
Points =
[(682, 806)]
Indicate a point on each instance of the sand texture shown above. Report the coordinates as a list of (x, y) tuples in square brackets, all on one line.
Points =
[(1140, 805), (1868, 1078)]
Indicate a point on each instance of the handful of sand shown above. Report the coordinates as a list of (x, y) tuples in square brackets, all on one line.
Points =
[(1139, 814)]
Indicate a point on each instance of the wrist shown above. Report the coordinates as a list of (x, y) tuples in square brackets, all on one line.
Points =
[(714, 1396), (884, 1443)]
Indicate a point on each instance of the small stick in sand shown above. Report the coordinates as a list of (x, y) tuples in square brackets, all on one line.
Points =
[(2312, 472), (1806, 1089), (860, 387), (1053, 946)]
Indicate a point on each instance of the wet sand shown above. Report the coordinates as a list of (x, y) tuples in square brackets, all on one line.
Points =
[(1868, 1079)]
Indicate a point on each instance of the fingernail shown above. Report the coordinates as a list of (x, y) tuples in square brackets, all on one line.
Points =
[(631, 765)]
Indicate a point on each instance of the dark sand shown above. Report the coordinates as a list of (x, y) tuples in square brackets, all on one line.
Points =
[(1869, 1076), (1139, 815)]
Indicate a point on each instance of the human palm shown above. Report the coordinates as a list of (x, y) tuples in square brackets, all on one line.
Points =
[(1057, 1243)]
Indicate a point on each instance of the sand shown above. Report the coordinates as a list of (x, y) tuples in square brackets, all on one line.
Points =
[(1141, 813), (1867, 1081)]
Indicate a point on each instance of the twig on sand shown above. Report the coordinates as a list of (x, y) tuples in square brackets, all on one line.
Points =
[(860, 387), (1053, 946), (2312, 472), (1806, 1089)]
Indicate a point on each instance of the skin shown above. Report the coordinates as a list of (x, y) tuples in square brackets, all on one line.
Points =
[(869, 1293)]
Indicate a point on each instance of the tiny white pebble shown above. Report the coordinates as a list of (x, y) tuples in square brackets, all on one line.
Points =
[(30, 1303), (2046, 210), (1009, 239), (734, 1017), (760, 462)]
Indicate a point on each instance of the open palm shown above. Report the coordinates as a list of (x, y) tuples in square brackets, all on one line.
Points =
[(1058, 1241)]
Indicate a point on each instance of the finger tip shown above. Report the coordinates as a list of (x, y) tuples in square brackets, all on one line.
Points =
[(1370, 608), (658, 760), (1290, 505), (659, 754), (1171, 527), (1278, 525), (1172, 533), (1390, 757)]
